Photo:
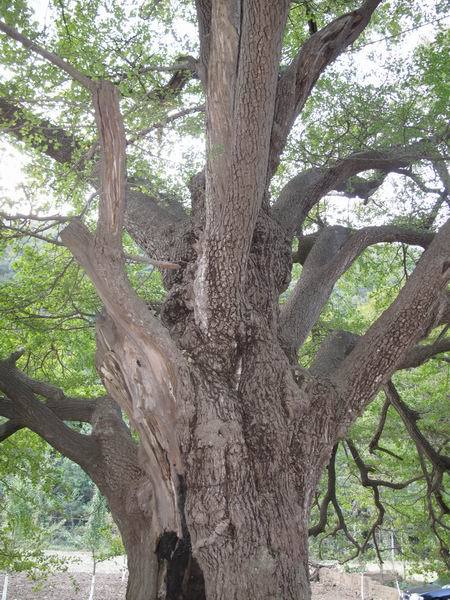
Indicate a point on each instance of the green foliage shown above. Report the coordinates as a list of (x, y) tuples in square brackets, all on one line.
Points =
[(407, 512), (100, 535), (27, 477), (432, 60), (53, 308), (48, 501), (48, 307), (360, 296)]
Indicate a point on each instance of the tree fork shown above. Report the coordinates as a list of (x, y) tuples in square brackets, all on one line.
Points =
[(236, 437)]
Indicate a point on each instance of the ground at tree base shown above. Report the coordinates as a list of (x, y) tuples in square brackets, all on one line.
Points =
[(76, 586), (66, 586)]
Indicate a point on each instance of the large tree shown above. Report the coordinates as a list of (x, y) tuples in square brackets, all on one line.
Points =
[(234, 433)]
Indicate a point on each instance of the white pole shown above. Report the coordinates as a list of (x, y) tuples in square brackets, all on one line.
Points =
[(393, 550), (393, 564), (124, 568), (5, 587), (91, 595), (362, 586)]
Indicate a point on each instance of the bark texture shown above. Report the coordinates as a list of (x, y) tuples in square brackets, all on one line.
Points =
[(157, 570)]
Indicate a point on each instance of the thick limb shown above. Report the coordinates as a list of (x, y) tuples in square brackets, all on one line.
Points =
[(332, 253)]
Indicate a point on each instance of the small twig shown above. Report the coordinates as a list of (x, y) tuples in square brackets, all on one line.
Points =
[(56, 60), (33, 217), (166, 121)]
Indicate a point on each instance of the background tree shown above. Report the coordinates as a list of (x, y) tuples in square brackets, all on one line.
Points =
[(98, 534), (26, 478), (235, 434)]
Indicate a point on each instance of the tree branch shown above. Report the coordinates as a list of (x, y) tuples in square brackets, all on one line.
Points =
[(420, 354), (334, 251), (40, 133), (204, 15), (365, 470), (379, 233), (66, 409), (330, 496), (33, 217), (109, 455), (160, 264), (150, 224), (56, 60), (374, 442), (434, 489), (166, 120), (113, 143), (382, 349), (298, 80), (339, 344), (367, 482), (9, 428), (409, 418), (362, 188), (245, 49), (336, 346), (21, 405), (304, 190), (111, 131), (173, 88)]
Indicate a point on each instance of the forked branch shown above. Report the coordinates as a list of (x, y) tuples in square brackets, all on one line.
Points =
[(382, 349), (305, 190), (297, 81), (409, 418), (332, 254), (22, 407)]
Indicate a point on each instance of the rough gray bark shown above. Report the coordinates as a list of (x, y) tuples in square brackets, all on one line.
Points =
[(418, 307), (297, 81), (333, 251), (244, 51), (304, 191)]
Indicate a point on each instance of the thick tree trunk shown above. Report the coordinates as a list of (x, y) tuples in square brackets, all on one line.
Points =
[(235, 436), (143, 566), (243, 499), (247, 501), (160, 566)]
